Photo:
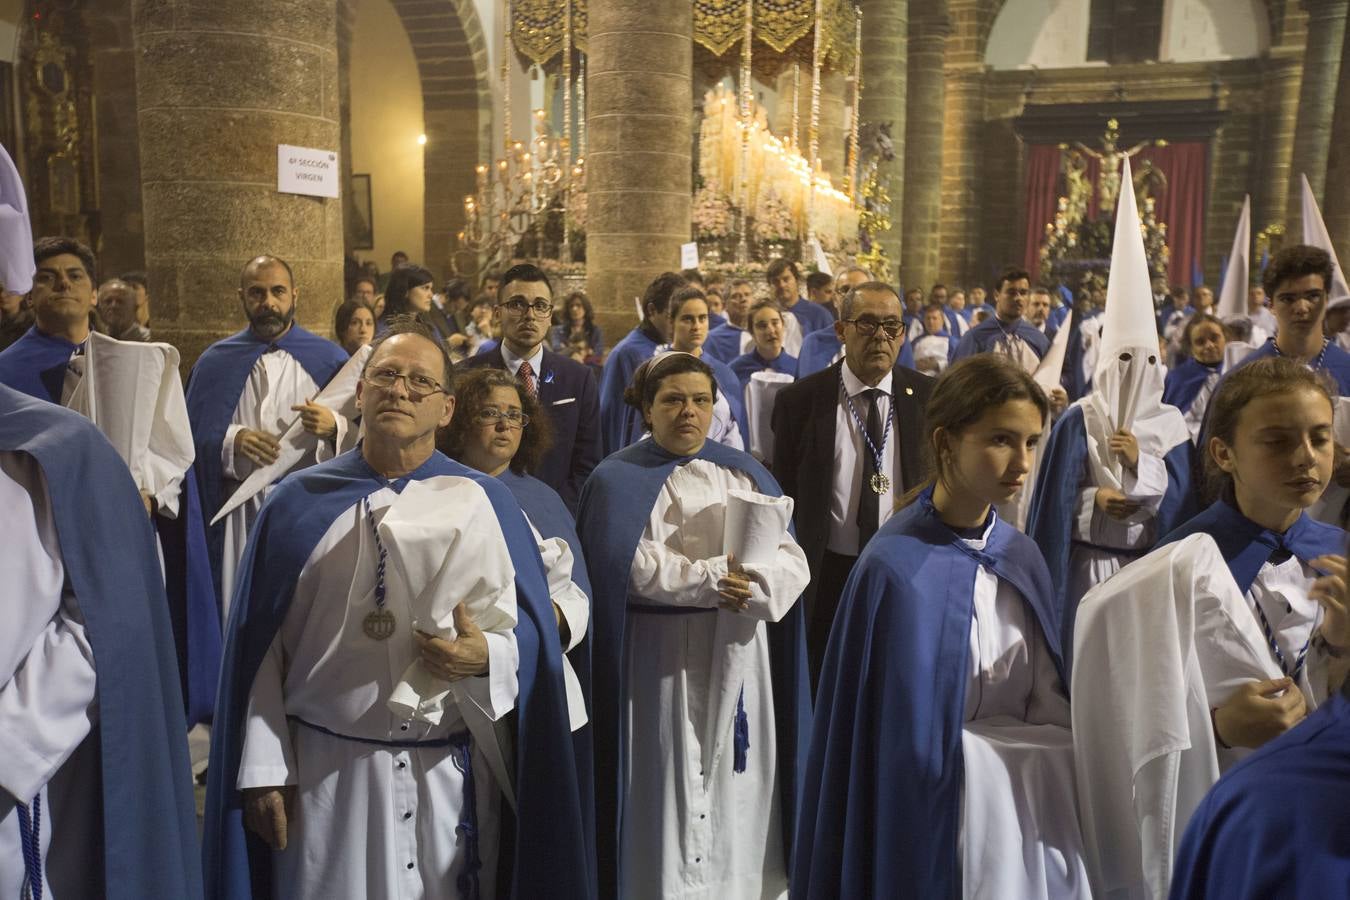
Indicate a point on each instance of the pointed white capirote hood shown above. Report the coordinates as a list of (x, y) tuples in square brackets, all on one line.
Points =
[(1233, 298), (1129, 322), (1315, 234), (16, 232)]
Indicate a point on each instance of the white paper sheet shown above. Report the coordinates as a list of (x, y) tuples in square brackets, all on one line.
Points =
[(133, 394), (755, 525), (760, 394), (1048, 373), (297, 443)]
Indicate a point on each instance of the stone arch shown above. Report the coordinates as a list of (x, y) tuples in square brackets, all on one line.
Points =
[(452, 59)]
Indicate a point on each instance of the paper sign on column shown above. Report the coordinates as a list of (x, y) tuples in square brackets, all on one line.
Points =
[(822, 261), (296, 442), (307, 170), (689, 255), (755, 526), (760, 395)]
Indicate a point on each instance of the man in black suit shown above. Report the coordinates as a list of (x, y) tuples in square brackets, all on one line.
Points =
[(846, 448), (565, 388)]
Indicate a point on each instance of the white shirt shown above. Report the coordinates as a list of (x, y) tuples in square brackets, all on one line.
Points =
[(536, 360), (849, 446)]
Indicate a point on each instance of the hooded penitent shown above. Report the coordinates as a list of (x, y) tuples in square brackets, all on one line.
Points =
[(1315, 235), (16, 233)]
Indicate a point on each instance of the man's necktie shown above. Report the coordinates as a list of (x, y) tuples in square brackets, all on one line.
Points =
[(526, 375), (869, 501)]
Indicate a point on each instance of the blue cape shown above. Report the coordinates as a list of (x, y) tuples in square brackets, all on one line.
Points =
[(1335, 363), (1278, 823), (615, 415), (1184, 383), (1055, 503), (984, 336), (723, 342), (1073, 380), (36, 365), (748, 364), (550, 516), (615, 505), (147, 817), (716, 320), (1168, 311), (811, 315), (729, 386), (1247, 546), (551, 859), (881, 799), (213, 390)]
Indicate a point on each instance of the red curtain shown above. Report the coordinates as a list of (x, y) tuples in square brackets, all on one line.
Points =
[(1182, 205), (1042, 193)]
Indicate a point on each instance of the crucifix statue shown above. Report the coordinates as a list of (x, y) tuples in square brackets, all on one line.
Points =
[(1111, 158)]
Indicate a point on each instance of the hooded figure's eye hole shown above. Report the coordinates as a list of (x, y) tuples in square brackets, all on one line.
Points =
[(1153, 360), (1126, 357)]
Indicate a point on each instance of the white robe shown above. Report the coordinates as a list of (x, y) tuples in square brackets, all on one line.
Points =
[(371, 820), (1156, 649), (695, 828), (576, 612), (276, 383), (1019, 818), (47, 695)]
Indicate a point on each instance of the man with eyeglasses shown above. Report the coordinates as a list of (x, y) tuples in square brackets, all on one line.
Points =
[(243, 394), (566, 389), (847, 447), (822, 348), (1006, 331), (394, 608)]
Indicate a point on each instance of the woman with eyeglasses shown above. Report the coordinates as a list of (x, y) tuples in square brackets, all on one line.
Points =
[(498, 429), (701, 703)]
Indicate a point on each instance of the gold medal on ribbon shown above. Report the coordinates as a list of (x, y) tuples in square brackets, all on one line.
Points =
[(880, 483), (378, 624)]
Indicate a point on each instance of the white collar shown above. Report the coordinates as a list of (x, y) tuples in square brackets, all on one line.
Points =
[(513, 362), (853, 385)]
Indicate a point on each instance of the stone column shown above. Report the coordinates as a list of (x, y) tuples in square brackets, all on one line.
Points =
[(119, 157), (639, 95), (1316, 100), (219, 86), (885, 82), (1270, 187), (923, 152), (1336, 197)]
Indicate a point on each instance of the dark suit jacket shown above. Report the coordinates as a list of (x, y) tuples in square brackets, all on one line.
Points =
[(804, 448), (569, 396)]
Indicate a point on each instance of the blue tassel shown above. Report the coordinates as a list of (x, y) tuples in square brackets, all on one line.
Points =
[(741, 745)]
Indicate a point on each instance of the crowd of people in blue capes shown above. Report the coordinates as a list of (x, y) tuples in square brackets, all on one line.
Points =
[(807, 586)]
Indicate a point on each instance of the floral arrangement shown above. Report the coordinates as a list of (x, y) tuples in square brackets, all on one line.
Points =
[(712, 213), (773, 219)]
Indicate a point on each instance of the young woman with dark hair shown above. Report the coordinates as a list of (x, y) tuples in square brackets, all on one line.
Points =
[(1219, 640), (943, 689)]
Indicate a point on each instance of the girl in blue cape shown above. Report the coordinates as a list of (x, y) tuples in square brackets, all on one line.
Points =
[(941, 762), (688, 318), (1189, 386), (765, 322), (700, 693), (1216, 642)]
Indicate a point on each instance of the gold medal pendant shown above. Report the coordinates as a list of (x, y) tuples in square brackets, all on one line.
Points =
[(378, 625), (880, 483)]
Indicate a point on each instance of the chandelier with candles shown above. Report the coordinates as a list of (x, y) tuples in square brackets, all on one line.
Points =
[(531, 200)]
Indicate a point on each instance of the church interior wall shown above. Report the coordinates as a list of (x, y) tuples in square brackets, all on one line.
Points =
[(386, 122)]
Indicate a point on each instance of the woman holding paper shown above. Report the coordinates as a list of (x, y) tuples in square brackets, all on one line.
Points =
[(941, 761), (700, 703)]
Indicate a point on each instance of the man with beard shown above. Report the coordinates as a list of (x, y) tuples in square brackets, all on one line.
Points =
[(243, 394)]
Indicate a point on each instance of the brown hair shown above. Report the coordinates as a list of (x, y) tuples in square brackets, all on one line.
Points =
[(647, 379), (1196, 321), (472, 388), (763, 303), (965, 392), (683, 295), (1262, 378), (1296, 262)]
